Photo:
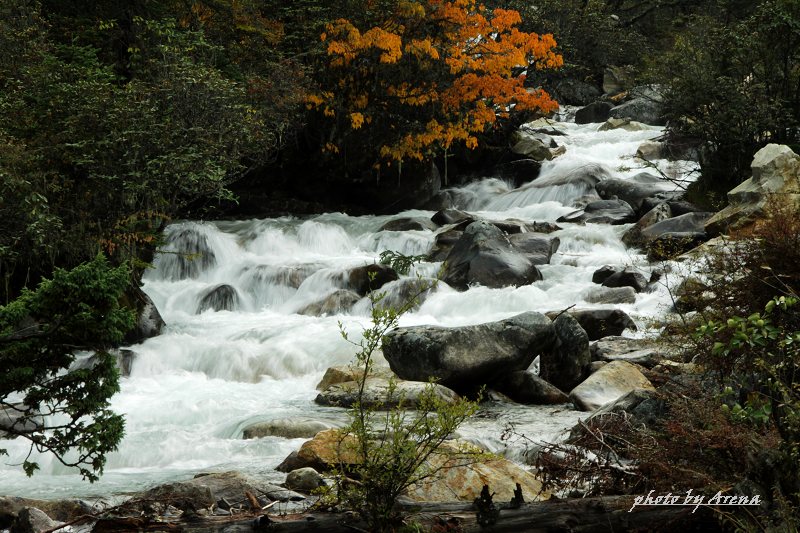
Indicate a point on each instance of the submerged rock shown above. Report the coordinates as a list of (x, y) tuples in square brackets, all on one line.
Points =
[(340, 301), (602, 212), (409, 224), (289, 428), (464, 358), (368, 278), (223, 297)]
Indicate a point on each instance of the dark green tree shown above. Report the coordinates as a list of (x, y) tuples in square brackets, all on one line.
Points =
[(57, 408)]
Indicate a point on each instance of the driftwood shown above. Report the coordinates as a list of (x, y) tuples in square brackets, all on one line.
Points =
[(587, 515)]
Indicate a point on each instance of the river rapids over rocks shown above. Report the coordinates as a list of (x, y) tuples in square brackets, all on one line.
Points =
[(243, 343)]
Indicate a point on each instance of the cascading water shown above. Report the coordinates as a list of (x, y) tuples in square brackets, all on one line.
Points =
[(236, 350)]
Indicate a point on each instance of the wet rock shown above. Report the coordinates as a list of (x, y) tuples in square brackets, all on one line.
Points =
[(288, 428), (610, 295), (60, 510), (594, 112), (622, 124), (358, 279), (407, 292), (634, 236), (304, 480), (484, 255), (642, 352), (464, 483), (599, 323), (563, 366), (260, 277), (608, 384), (409, 224), (340, 301), (467, 357), (531, 147), (444, 244), (190, 253), (776, 172), (675, 236), (603, 273), (451, 216), (327, 448), (643, 405), (520, 171), (33, 520), (538, 247), (148, 320), (378, 394), (223, 297), (650, 150), (626, 277), (642, 110), (634, 190), (602, 212), (526, 387)]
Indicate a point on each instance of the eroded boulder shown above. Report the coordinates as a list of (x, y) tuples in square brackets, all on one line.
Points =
[(608, 384)]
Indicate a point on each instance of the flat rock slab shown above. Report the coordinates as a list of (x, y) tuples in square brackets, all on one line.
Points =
[(378, 394), (608, 384)]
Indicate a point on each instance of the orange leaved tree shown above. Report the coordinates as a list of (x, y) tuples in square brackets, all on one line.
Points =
[(425, 77)]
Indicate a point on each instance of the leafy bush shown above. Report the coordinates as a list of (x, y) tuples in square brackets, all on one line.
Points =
[(395, 449)]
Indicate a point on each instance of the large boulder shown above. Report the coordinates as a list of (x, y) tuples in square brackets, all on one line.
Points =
[(148, 320), (304, 479), (571, 91), (458, 481), (524, 386), (520, 171), (641, 109), (599, 323), (485, 256), (288, 428), (675, 235), (642, 352), (564, 365), (626, 277), (594, 112), (327, 449), (222, 297), (33, 520), (451, 216), (608, 384), (189, 253), (378, 394), (776, 173), (602, 212), (633, 236), (443, 244), (466, 357), (536, 146)]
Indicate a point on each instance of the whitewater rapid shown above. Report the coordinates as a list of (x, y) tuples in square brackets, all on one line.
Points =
[(192, 390)]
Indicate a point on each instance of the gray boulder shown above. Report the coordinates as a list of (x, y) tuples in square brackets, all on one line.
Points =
[(564, 365), (634, 190), (485, 256), (450, 216), (467, 357), (190, 254), (609, 383), (537, 247), (33, 520), (634, 237), (602, 212), (599, 323), (642, 352), (571, 91), (641, 109), (594, 112), (642, 405), (148, 320), (222, 297), (288, 428), (776, 172), (526, 387), (304, 479), (378, 394), (676, 235), (610, 295), (628, 277)]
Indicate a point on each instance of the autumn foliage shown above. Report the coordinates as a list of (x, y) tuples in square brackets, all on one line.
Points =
[(428, 76)]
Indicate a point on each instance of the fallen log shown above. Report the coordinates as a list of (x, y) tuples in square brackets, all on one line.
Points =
[(578, 515)]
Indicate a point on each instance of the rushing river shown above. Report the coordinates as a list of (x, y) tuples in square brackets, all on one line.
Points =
[(192, 390)]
